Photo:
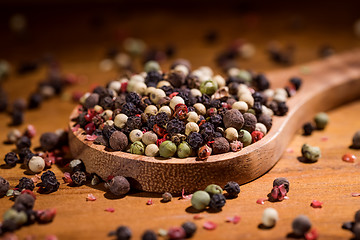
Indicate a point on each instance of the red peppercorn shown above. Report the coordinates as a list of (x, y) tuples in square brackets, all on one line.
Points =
[(90, 128), (256, 136), (173, 94), (348, 157), (181, 111), (204, 152), (159, 130), (123, 87)]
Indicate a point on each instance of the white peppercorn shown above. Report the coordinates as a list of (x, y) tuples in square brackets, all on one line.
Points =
[(193, 117), (98, 108), (191, 127), (36, 164), (120, 120), (270, 217), (196, 92), (200, 108), (140, 88), (107, 114), (248, 98), (156, 95), (13, 135), (109, 122), (220, 81), (183, 69), (167, 110), (151, 66), (162, 84), (231, 134), (151, 109), (279, 98), (269, 93), (149, 138), (241, 106), (152, 150), (83, 98), (243, 89), (114, 85), (261, 128), (135, 135), (175, 101), (149, 90)]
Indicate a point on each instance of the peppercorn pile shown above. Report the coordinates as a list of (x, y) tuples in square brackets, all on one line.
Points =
[(182, 112)]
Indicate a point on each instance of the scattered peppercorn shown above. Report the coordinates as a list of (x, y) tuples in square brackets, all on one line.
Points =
[(23, 142), (25, 183), (310, 153), (27, 201), (78, 177), (149, 235), (321, 120), (356, 140), (121, 233), (189, 228), (217, 202), (4, 186), (270, 217), (232, 189), (11, 159), (118, 185), (166, 197), (301, 225), (49, 141), (49, 182), (213, 189), (282, 181), (308, 129), (200, 200)]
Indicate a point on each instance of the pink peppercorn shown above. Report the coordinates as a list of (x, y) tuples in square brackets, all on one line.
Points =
[(256, 136), (90, 128), (176, 233)]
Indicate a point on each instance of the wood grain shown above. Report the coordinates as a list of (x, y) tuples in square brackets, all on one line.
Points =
[(79, 49), (330, 83)]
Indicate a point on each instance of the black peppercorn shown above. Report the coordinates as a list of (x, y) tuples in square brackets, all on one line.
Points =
[(308, 128), (232, 189), (217, 201), (11, 159), (49, 141), (9, 226), (35, 100), (78, 177), (167, 89), (282, 109), (296, 81), (129, 109), (121, 233), (207, 132), (25, 155), (91, 100), (17, 118), (133, 122), (23, 142), (149, 235), (101, 91), (261, 82), (161, 119), (106, 102), (189, 228), (152, 78), (4, 186), (133, 97), (195, 140), (25, 200), (266, 120), (175, 126), (49, 182), (25, 183)]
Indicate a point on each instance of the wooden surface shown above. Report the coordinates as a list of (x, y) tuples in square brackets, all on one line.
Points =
[(330, 180), (331, 82)]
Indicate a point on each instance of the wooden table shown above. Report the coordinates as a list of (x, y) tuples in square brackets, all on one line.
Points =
[(80, 48)]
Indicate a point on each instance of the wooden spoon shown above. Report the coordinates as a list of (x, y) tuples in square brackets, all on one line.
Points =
[(329, 83)]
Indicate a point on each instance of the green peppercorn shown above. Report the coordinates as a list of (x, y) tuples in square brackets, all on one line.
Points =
[(19, 218), (245, 137), (167, 149), (312, 154), (321, 120), (184, 150), (208, 87), (213, 189), (200, 200), (151, 66), (137, 148)]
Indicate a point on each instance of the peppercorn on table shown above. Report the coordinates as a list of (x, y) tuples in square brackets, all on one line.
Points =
[(330, 180)]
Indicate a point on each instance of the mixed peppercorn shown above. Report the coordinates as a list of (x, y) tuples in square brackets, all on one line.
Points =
[(182, 112)]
